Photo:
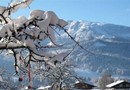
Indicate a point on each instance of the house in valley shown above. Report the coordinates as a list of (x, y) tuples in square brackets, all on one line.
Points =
[(120, 84), (83, 85)]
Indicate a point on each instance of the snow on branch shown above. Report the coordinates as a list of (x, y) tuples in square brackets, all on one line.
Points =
[(11, 46), (5, 12), (26, 37)]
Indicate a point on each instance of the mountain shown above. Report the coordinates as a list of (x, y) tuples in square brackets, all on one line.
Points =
[(110, 44)]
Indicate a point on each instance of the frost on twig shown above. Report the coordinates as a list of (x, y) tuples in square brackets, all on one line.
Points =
[(5, 12), (26, 37)]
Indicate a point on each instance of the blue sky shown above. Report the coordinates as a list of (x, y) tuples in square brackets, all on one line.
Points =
[(108, 11)]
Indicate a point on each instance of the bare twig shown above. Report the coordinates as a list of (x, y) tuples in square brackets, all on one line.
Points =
[(76, 41)]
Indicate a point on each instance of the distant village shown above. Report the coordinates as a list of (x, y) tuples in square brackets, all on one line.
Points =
[(105, 83)]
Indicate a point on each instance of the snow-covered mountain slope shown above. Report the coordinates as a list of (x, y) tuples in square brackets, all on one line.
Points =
[(109, 43)]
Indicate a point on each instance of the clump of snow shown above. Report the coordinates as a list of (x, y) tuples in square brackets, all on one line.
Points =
[(43, 87)]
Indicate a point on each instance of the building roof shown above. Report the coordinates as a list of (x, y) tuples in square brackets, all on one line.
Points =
[(88, 83), (116, 83)]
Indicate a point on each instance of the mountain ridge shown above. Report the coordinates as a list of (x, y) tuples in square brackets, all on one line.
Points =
[(109, 42)]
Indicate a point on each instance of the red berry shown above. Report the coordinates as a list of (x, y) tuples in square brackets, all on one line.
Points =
[(20, 79), (29, 87)]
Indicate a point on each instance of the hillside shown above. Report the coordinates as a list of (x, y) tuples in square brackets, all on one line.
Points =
[(110, 44)]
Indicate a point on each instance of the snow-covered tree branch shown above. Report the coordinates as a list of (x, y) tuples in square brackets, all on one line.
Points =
[(24, 37)]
